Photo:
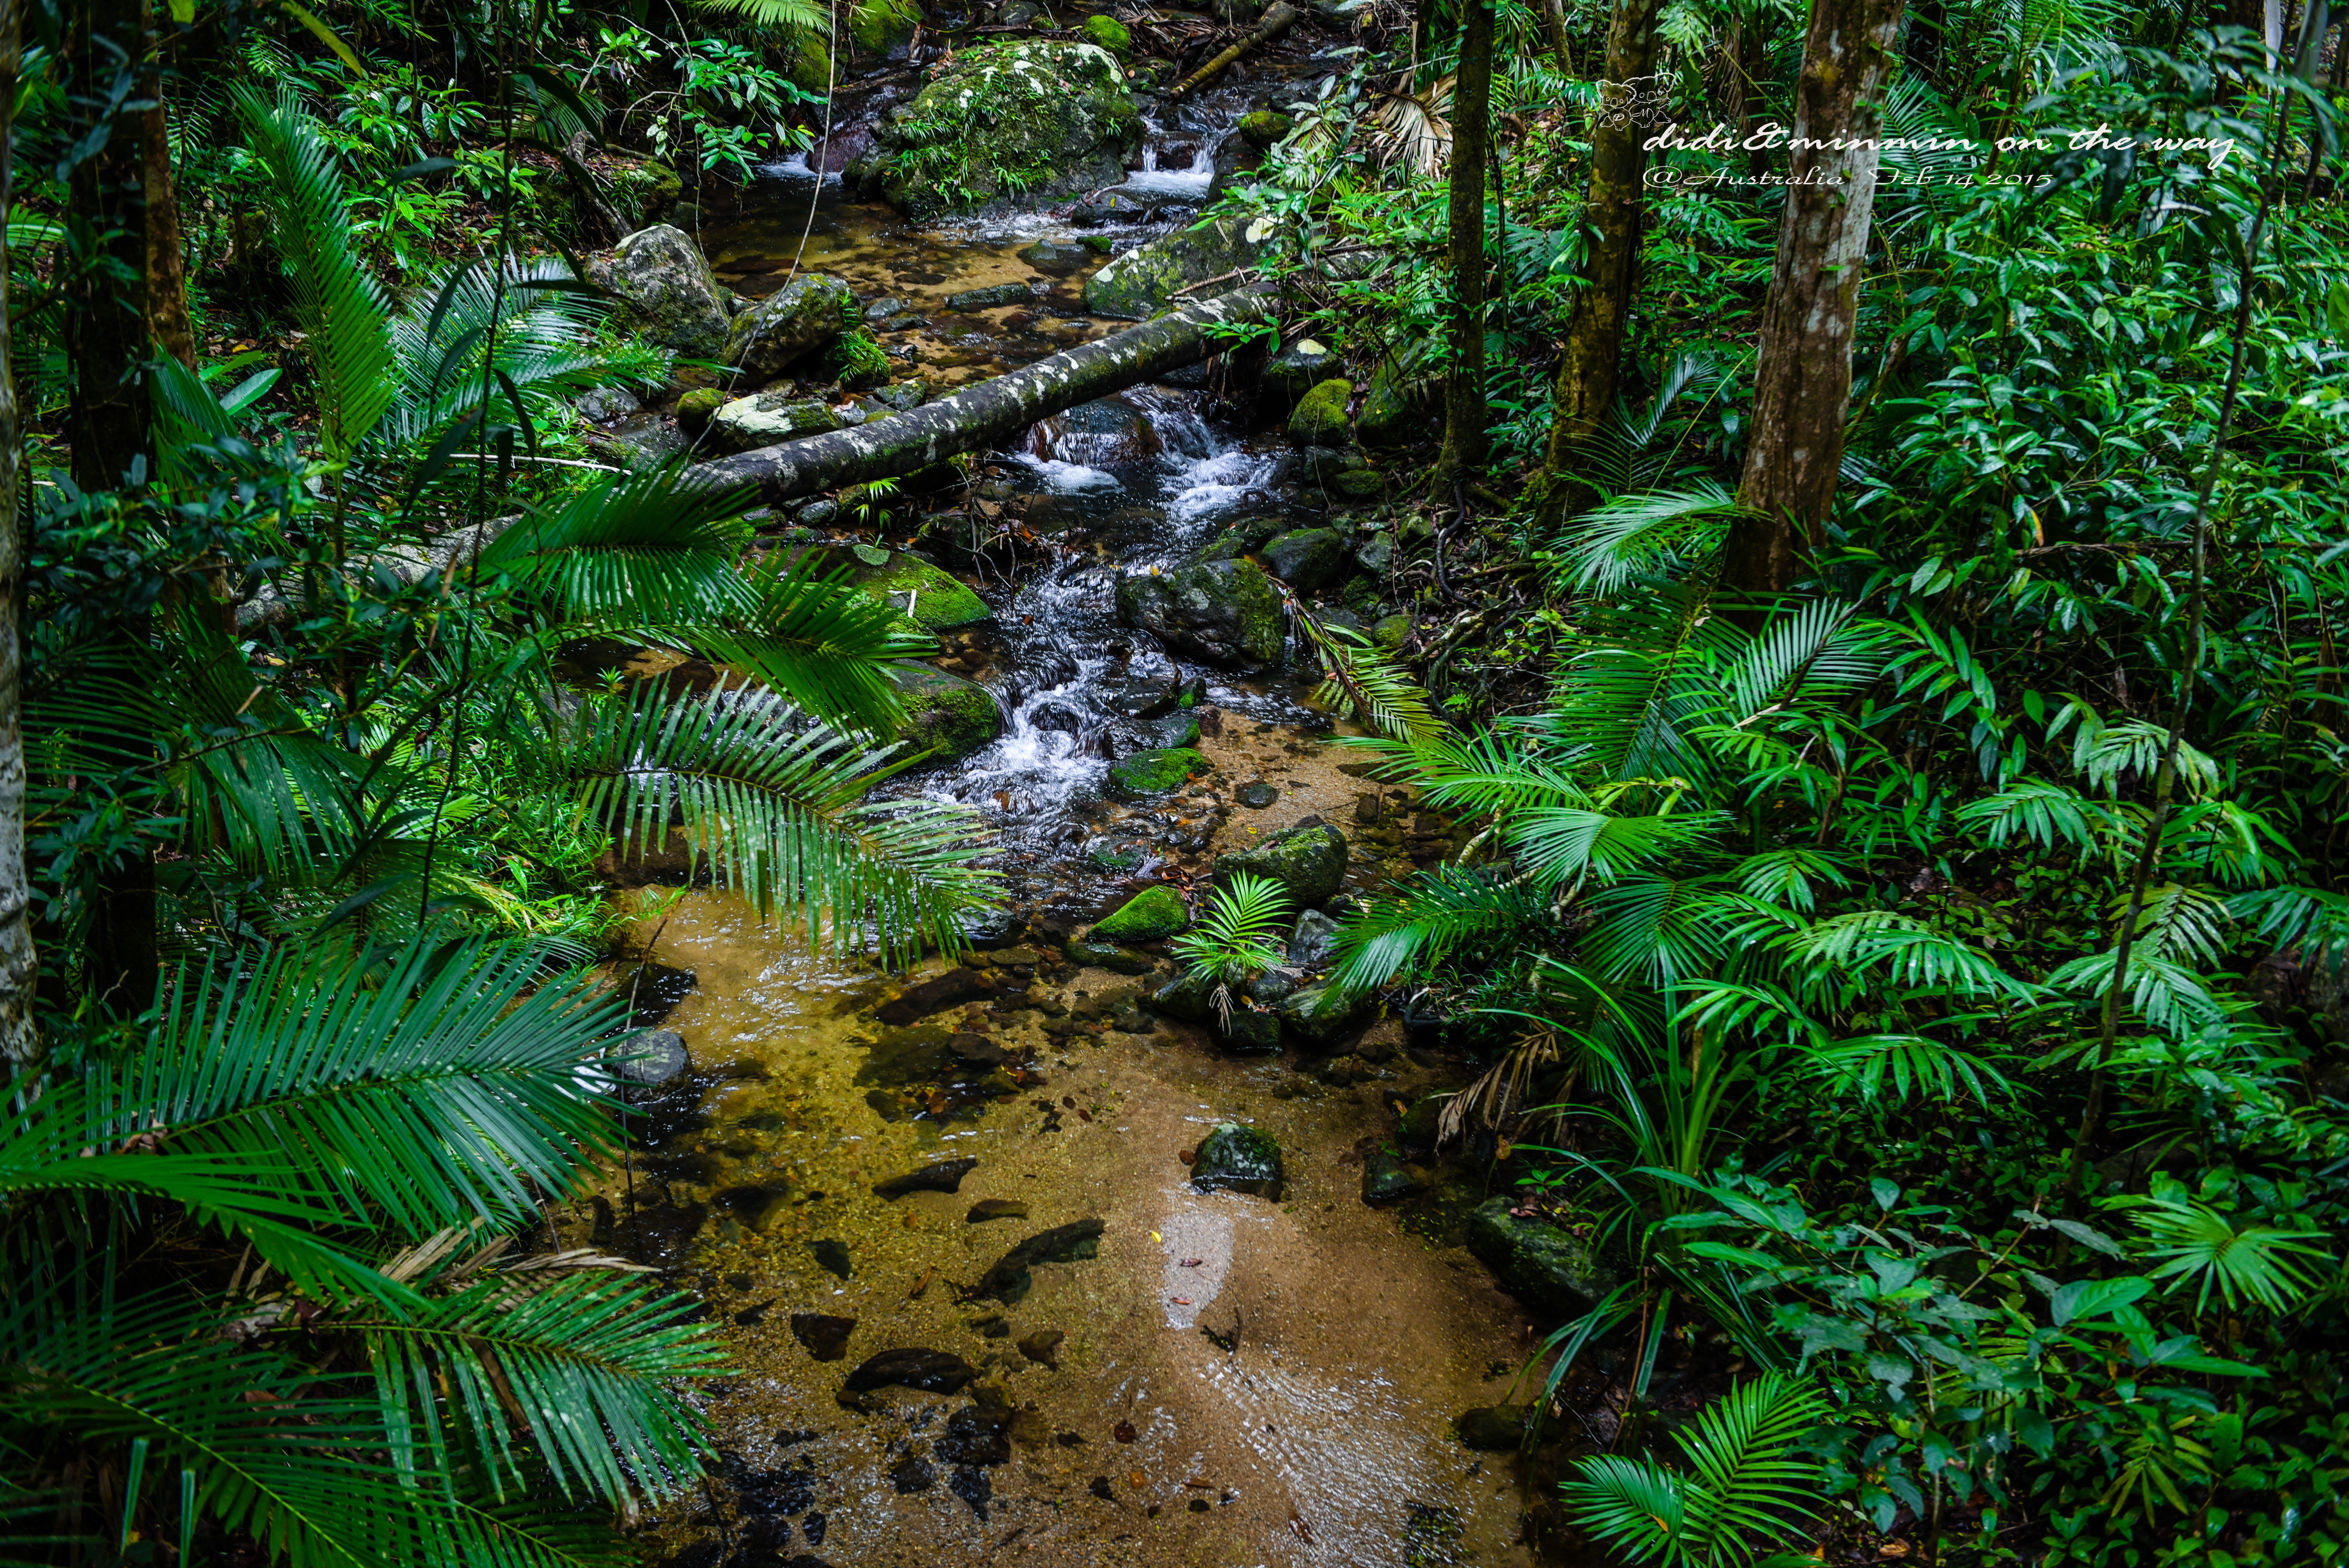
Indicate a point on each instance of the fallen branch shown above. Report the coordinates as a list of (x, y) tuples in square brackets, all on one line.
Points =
[(989, 411), (1276, 21)]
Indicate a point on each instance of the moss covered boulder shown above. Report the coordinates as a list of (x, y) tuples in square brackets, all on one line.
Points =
[(1395, 414), (696, 409), (643, 189), (1239, 1158), (1143, 283), (1147, 773), (908, 583), (1149, 915), (1109, 33), (1310, 863), (877, 26), (665, 291), (768, 419), (1034, 119), (1550, 1269), (1320, 417), (947, 717), (1309, 558), (1224, 612), (1320, 1014), (806, 315)]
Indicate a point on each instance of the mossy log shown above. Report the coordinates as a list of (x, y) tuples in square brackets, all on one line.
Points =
[(992, 410)]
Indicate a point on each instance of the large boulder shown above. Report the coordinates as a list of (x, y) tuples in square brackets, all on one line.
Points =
[(1549, 1269), (1322, 1012), (1143, 283), (1225, 613), (1034, 119), (805, 316), (666, 292), (1394, 413), (946, 716), (931, 599), (767, 419), (1309, 558), (1320, 419), (1310, 863)]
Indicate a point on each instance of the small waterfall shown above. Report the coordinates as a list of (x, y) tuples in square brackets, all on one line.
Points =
[(1189, 183)]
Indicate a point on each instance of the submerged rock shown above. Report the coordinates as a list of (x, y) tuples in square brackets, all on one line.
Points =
[(666, 292), (1390, 1179), (911, 1475), (987, 1209), (946, 1176), (1310, 863), (930, 1371), (1549, 1269), (826, 1338), (1033, 119), (1143, 282), (988, 298), (1109, 956), (1241, 1157), (653, 1057), (976, 1435), (1043, 1346), (1153, 773), (803, 317), (1224, 612), (1009, 1281), (833, 1255), (946, 716), (1493, 1429)]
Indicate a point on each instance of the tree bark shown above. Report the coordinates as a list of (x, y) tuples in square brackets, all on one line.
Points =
[(167, 280), (1591, 365), (19, 967), (107, 417), (1803, 382), (991, 411), (1464, 411)]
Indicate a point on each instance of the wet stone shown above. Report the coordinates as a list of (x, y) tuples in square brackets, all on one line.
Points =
[(1315, 943), (1549, 1269), (1109, 956), (1249, 1033), (1242, 1159), (988, 297), (949, 989), (1493, 1428), (1009, 1280), (1387, 1179), (978, 1050), (654, 1057), (1258, 796), (970, 1484), (946, 1176), (930, 1371), (1054, 259), (911, 1475), (833, 1255), (882, 309), (976, 1436), (1043, 1346), (1310, 863), (987, 1209)]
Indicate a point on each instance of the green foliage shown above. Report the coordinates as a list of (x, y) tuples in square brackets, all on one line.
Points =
[(1236, 934)]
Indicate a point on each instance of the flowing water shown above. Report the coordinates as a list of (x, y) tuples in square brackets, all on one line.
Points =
[(1239, 1380)]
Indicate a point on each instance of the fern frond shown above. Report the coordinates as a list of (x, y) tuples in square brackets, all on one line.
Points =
[(1438, 913), (1619, 542), (1900, 1068)]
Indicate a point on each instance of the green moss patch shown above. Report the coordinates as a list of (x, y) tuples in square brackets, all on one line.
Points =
[(946, 716), (1109, 33), (1320, 417), (938, 601), (1149, 915), (1155, 772)]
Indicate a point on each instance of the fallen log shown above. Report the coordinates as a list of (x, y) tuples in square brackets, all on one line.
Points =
[(989, 411), (1276, 21)]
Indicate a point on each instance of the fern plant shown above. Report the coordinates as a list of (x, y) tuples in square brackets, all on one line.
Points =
[(1234, 939), (1740, 1488)]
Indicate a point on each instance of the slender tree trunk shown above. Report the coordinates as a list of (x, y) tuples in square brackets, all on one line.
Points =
[(166, 271), (109, 422), (19, 970), (1591, 365), (1803, 383), (1472, 104), (1560, 42)]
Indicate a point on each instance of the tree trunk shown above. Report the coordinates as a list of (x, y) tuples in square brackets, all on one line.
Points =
[(19, 969), (1803, 383), (1464, 387), (166, 268), (989, 411), (1593, 357), (109, 417)]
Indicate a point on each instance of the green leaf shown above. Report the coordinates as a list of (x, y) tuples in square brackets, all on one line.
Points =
[(2091, 1298)]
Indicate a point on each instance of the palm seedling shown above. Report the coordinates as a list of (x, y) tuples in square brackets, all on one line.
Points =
[(1234, 940)]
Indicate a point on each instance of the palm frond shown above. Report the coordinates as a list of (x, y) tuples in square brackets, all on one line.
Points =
[(1896, 949), (1784, 877), (342, 313), (769, 805), (1811, 649), (1558, 844), (1493, 773), (1355, 673), (823, 643), (1438, 913), (1902, 1068), (2046, 813), (650, 549), (1660, 930), (1619, 542), (2198, 1245), (802, 15)]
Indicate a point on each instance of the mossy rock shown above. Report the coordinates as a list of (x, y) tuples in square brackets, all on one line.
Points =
[(1393, 413), (1309, 558), (1225, 613), (879, 26), (1109, 33), (947, 717), (1322, 1013), (1034, 119), (940, 601), (1189, 996), (805, 316), (1239, 1158), (1320, 417), (1310, 863), (1265, 128), (666, 294), (1143, 282), (1155, 772), (1549, 1269), (695, 409), (1108, 955), (1153, 914)]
